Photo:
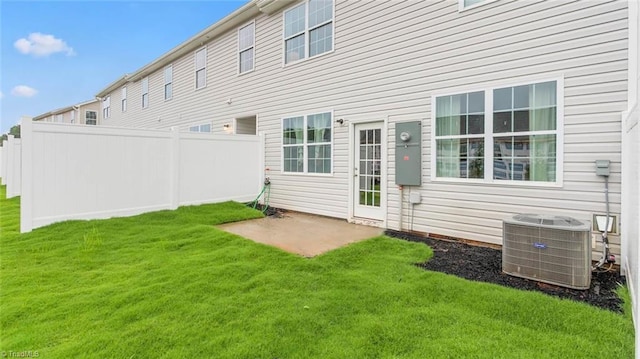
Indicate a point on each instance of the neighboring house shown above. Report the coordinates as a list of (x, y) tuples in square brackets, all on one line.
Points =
[(515, 101), (84, 113)]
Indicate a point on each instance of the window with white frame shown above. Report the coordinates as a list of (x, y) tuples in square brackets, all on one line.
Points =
[(106, 107), (246, 40), (201, 68), (514, 139), (205, 127), (168, 82), (308, 30), (123, 99), (307, 143), (91, 117), (464, 4), (467, 3), (145, 92)]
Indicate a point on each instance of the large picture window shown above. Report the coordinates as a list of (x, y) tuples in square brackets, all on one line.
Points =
[(308, 30), (307, 143), (514, 139)]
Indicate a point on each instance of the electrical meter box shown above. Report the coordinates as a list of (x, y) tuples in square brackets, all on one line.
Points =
[(409, 153)]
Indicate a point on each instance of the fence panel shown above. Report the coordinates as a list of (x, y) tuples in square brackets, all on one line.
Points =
[(14, 167), (5, 159), (87, 172), (218, 168)]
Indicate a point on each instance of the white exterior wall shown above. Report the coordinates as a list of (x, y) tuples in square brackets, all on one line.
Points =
[(87, 172), (389, 59), (631, 174)]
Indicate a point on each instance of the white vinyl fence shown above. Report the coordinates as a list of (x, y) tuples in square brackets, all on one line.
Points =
[(3, 162), (13, 166), (631, 213), (87, 172)]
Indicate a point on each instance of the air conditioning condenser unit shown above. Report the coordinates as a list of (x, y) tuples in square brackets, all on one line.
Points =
[(550, 249)]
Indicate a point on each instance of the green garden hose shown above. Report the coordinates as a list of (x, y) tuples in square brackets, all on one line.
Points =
[(266, 190)]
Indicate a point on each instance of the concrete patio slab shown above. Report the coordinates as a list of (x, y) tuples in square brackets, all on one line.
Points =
[(301, 233)]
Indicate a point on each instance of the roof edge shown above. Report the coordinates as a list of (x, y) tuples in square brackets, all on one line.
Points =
[(234, 19)]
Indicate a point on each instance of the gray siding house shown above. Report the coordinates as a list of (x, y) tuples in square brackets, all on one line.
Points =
[(515, 101)]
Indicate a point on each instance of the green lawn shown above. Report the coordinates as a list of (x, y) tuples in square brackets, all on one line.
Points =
[(170, 285)]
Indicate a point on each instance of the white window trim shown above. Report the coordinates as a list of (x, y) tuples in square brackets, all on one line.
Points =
[(253, 46), (196, 69), (123, 99), (488, 133), (306, 34), (86, 112), (164, 87), (146, 79), (462, 8), (106, 107), (199, 125), (305, 145)]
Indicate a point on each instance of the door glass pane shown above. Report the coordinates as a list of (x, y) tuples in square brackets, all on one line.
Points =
[(369, 167)]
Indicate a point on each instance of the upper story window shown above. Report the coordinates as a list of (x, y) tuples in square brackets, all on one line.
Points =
[(145, 92), (501, 134), (123, 99), (91, 117), (59, 118), (307, 143), (201, 68), (308, 30), (106, 107), (73, 116), (168, 82), (246, 40)]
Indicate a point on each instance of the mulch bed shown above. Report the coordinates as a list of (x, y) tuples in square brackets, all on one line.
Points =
[(485, 265)]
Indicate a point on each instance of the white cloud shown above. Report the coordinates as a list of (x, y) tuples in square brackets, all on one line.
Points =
[(23, 91), (38, 44)]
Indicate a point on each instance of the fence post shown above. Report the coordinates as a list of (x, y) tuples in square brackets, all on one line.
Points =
[(26, 200), (174, 168)]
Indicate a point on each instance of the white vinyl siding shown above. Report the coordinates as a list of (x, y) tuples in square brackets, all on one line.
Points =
[(425, 49), (168, 82), (307, 143), (123, 99), (145, 92), (201, 68), (246, 52), (308, 30)]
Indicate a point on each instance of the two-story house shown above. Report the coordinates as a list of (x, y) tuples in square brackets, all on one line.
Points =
[(514, 100)]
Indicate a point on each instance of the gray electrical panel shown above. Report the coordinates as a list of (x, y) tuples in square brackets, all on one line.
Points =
[(408, 153)]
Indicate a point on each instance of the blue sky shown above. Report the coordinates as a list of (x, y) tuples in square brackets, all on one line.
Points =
[(58, 53)]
